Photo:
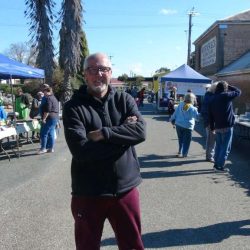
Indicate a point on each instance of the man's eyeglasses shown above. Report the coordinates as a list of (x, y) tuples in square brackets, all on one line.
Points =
[(96, 70)]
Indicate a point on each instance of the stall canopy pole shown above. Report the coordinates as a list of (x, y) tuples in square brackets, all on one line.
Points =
[(12, 97)]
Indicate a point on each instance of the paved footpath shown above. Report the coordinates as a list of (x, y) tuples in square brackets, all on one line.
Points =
[(184, 203)]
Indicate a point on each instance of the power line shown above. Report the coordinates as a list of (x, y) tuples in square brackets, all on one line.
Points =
[(143, 26)]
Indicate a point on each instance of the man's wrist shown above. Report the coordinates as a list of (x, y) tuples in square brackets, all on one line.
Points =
[(100, 135)]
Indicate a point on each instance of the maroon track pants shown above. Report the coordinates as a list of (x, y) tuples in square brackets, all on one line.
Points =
[(123, 213)]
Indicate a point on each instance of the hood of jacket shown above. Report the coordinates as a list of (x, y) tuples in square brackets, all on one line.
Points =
[(186, 106)]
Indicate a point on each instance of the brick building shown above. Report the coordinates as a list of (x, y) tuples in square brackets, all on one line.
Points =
[(223, 52)]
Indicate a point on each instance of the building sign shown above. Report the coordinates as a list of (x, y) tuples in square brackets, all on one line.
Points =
[(208, 53)]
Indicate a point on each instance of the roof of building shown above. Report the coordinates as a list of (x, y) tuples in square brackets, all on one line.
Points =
[(115, 82), (242, 64), (242, 17), (147, 79)]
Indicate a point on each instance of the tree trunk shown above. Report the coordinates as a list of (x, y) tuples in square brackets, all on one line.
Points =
[(67, 89)]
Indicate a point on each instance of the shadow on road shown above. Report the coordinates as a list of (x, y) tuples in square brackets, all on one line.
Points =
[(192, 236), (200, 140), (166, 174), (240, 174), (162, 118), (158, 161), (239, 168)]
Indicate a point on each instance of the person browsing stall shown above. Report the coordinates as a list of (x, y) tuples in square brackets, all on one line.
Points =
[(102, 126), (3, 113), (35, 109), (222, 119), (50, 117), (210, 135), (22, 105)]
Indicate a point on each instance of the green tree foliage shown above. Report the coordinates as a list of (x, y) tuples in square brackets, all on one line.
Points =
[(40, 13), (123, 78), (84, 47), (162, 71), (84, 54)]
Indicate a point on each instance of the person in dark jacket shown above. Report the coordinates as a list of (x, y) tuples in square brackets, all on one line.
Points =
[(222, 119), (36, 102), (102, 126), (34, 111), (50, 116), (210, 135)]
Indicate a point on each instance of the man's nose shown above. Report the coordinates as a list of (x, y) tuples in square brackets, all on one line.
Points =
[(100, 72)]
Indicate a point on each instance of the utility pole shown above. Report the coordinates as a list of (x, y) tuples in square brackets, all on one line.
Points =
[(110, 58), (191, 13)]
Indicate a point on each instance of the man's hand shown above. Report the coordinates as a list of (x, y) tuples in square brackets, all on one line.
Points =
[(131, 119), (96, 135)]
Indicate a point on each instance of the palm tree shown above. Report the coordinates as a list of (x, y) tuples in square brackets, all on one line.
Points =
[(41, 17), (70, 43)]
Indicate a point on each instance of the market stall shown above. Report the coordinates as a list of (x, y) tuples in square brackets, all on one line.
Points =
[(5, 133), (182, 79), (11, 69)]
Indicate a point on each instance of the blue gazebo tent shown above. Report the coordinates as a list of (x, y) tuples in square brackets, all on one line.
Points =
[(185, 74), (11, 69), (183, 78)]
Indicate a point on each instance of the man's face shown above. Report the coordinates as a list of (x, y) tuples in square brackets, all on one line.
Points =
[(19, 92), (98, 76)]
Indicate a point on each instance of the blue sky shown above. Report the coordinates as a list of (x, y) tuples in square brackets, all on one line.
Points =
[(141, 36)]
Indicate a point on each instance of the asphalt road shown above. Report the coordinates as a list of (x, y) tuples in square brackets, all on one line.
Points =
[(184, 203)]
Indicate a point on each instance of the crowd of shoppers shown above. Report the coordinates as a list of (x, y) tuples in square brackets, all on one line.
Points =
[(138, 95), (218, 118), (44, 107)]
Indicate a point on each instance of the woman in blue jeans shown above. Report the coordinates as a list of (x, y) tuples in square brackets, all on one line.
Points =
[(184, 119), (50, 117)]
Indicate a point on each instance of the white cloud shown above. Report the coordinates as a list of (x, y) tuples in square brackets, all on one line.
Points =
[(168, 12)]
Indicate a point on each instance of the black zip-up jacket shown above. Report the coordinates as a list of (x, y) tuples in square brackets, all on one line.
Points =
[(108, 167), (220, 108)]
